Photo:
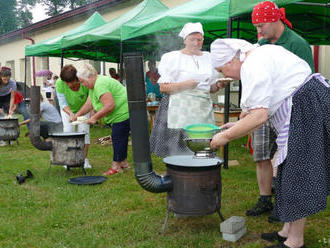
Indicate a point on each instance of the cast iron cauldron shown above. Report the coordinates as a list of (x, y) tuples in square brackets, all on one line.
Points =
[(9, 129)]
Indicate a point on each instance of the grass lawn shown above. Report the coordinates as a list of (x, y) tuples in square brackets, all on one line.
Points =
[(47, 211)]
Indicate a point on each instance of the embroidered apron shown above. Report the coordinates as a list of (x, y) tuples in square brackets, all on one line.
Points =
[(190, 107)]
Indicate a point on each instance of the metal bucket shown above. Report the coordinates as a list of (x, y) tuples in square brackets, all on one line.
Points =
[(68, 149), (9, 129)]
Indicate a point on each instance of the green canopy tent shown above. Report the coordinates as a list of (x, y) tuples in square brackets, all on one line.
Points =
[(311, 19), (52, 47), (101, 43)]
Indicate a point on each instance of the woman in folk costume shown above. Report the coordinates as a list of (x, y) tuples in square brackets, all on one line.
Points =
[(186, 80), (297, 103)]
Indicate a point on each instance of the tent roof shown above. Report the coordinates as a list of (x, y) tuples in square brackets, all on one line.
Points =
[(44, 48), (151, 27), (103, 41)]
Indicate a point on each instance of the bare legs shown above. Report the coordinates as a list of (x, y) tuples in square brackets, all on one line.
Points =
[(295, 233), (265, 176)]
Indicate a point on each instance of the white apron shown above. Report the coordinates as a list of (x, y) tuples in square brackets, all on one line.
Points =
[(190, 107)]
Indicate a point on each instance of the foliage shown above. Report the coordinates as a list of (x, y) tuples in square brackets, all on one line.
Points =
[(55, 7), (7, 16), (47, 211), (15, 14)]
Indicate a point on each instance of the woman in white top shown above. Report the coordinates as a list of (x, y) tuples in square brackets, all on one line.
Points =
[(277, 85), (186, 79)]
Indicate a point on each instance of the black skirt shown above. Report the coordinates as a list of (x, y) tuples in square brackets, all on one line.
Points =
[(166, 141), (303, 179)]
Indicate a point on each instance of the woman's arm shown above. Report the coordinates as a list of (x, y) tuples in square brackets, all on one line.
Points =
[(170, 88), (249, 123), (11, 103), (108, 106), (86, 108)]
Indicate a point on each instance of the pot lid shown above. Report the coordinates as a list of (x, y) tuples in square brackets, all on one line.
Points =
[(8, 119), (68, 134), (191, 161)]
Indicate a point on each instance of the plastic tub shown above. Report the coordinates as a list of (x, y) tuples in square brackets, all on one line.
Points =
[(201, 131)]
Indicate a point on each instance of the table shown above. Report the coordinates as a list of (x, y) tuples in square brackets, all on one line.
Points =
[(219, 116)]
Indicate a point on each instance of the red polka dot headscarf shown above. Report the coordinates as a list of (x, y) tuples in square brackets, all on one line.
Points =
[(267, 11)]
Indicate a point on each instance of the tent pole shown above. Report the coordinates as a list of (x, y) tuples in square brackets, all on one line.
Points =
[(121, 62), (25, 62), (227, 97), (327, 5), (240, 83), (62, 60)]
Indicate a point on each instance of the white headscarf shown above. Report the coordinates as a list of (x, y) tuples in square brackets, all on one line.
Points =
[(224, 50), (190, 28)]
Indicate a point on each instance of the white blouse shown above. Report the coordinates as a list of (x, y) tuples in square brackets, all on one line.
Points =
[(269, 75), (176, 67)]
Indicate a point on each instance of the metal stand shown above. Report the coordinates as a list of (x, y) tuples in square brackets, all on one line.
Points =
[(165, 222), (68, 168), (168, 215), (220, 215)]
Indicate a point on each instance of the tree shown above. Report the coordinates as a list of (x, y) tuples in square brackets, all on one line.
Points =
[(23, 13), (55, 7), (8, 16)]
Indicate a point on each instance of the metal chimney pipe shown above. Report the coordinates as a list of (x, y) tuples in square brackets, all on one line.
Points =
[(35, 121), (136, 95)]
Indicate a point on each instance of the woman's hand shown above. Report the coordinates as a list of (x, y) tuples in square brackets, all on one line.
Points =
[(72, 117), (218, 140), (228, 125), (192, 83), (91, 121)]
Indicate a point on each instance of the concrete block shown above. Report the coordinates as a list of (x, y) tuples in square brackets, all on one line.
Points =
[(233, 237), (232, 225)]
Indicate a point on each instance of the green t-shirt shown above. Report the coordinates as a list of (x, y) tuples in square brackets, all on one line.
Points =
[(293, 42), (75, 99), (104, 84)]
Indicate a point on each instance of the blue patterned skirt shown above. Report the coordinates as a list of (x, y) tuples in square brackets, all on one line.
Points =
[(303, 179)]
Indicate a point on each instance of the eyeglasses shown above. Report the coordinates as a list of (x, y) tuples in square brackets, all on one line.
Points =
[(195, 39)]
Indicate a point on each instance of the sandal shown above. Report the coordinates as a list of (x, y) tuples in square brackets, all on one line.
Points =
[(112, 171), (125, 167)]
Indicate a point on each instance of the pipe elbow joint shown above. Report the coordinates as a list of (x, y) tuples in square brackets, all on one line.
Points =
[(155, 183)]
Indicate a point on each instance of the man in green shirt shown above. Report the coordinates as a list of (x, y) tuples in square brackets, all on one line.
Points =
[(273, 28)]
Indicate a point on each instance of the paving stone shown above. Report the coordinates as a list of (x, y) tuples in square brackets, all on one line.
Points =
[(233, 237), (232, 225)]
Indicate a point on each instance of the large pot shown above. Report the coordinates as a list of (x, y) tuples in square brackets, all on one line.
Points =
[(68, 149), (196, 185), (9, 129)]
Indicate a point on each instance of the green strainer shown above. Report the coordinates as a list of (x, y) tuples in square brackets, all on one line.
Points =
[(201, 131)]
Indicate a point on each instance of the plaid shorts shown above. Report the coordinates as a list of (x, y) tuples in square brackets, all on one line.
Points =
[(264, 142)]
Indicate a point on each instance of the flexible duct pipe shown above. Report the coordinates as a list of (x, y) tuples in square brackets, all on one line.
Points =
[(35, 121), (136, 95)]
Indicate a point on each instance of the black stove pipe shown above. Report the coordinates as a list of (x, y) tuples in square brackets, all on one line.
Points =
[(136, 95), (35, 121)]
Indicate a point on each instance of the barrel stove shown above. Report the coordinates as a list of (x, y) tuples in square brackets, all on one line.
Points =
[(9, 129), (192, 182), (68, 149)]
